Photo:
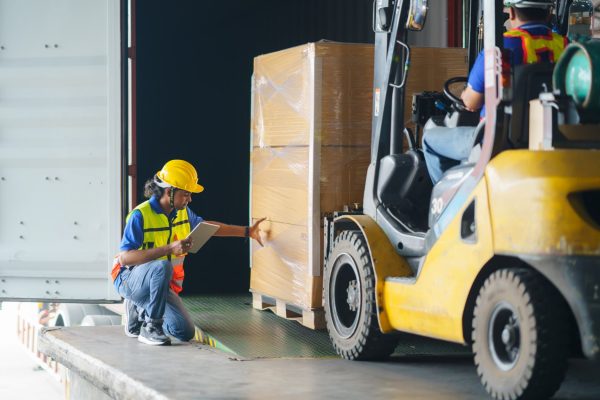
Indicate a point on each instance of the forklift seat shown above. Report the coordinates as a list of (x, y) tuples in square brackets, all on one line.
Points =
[(528, 82)]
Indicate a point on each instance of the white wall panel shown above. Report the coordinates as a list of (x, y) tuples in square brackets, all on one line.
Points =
[(59, 148)]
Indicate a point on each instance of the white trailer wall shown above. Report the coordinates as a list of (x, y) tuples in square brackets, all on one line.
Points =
[(60, 149)]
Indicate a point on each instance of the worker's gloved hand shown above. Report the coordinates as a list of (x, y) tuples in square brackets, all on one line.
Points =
[(254, 231), (180, 247)]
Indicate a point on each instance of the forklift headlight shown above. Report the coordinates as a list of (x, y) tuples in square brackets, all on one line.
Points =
[(587, 206), (417, 15)]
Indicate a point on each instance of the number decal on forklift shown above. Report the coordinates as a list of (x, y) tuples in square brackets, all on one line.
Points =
[(437, 205)]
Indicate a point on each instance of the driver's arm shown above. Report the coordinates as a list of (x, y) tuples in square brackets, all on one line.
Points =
[(472, 96), (473, 99)]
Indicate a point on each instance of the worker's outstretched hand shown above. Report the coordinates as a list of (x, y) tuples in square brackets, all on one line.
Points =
[(254, 231)]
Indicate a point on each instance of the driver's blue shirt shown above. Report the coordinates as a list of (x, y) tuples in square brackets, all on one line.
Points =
[(514, 47)]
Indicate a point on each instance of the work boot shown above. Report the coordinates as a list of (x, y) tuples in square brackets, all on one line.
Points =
[(152, 333), (132, 319)]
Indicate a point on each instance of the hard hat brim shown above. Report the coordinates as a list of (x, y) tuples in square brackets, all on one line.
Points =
[(197, 189)]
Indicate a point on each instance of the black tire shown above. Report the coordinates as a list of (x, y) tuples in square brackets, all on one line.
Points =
[(521, 332), (349, 301)]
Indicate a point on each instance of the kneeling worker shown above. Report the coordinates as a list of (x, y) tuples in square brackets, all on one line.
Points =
[(148, 271)]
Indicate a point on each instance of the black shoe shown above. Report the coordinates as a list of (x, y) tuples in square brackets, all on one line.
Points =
[(132, 319), (152, 333)]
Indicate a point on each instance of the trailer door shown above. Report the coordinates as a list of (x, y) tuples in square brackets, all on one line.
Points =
[(61, 164)]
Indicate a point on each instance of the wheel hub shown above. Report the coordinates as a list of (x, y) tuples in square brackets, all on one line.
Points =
[(504, 336), (345, 295), (352, 293)]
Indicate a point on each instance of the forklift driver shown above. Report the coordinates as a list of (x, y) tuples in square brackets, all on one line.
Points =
[(148, 271), (529, 40)]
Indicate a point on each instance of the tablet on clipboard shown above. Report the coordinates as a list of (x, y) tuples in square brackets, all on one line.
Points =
[(200, 235)]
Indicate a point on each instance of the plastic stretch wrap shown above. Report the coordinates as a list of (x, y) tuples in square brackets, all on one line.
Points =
[(311, 133), (311, 137)]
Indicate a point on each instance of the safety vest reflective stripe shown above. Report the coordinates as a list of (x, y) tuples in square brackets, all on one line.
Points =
[(166, 228), (534, 45)]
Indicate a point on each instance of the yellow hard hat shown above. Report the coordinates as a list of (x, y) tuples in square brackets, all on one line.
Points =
[(180, 174)]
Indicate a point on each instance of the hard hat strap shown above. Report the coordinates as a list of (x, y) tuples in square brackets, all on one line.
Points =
[(172, 198)]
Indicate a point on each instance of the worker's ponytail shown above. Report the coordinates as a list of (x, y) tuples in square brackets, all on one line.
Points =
[(151, 188)]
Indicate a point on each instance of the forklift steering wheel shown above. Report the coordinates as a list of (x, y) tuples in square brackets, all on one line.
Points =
[(457, 102)]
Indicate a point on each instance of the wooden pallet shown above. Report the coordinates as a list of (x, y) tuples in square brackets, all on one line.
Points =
[(311, 318)]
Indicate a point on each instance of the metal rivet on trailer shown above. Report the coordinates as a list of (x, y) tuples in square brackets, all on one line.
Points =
[(21, 237), (2, 47), (56, 281), (47, 281), (47, 178), (57, 292), (55, 46), (3, 280), (46, 46), (74, 222), (21, 223), (75, 237), (3, 291), (2, 178), (47, 292), (56, 178)]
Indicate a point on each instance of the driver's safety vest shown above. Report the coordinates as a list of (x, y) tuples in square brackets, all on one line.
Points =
[(159, 231), (538, 48)]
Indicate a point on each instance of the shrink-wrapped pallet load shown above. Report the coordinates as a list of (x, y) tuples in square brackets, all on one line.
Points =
[(311, 138)]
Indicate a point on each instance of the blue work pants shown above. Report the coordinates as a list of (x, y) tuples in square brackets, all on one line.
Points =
[(445, 148), (147, 286)]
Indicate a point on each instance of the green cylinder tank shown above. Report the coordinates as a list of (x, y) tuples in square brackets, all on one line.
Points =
[(577, 74)]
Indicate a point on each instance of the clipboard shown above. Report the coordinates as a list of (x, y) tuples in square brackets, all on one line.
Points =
[(200, 235)]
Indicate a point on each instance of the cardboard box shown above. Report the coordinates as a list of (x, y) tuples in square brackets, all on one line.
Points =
[(279, 269), (314, 92), (284, 186)]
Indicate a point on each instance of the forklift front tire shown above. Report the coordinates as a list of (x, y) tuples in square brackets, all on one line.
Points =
[(349, 301), (520, 335)]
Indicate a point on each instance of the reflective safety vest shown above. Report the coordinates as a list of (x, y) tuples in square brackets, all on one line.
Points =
[(534, 46), (159, 231)]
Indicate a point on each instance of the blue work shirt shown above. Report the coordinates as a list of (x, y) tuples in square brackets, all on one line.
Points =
[(133, 235), (515, 49)]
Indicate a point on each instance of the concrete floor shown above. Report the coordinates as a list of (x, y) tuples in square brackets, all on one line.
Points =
[(21, 377), (129, 369)]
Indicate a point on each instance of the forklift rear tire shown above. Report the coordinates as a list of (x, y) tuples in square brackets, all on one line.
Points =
[(520, 335), (349, 301)]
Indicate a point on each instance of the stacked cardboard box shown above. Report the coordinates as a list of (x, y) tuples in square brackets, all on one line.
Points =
[(311, 124), (311, 137)]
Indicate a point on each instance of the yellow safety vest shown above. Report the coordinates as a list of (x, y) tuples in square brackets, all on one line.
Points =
[(534, 45), (159, 231)]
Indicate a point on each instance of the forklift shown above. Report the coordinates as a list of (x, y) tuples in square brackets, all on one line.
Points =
[(503, 253)]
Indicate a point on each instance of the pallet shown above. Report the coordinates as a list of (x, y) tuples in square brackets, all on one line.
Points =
[(311, 318)]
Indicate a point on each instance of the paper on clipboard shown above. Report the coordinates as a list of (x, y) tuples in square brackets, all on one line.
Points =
[(200, 235)]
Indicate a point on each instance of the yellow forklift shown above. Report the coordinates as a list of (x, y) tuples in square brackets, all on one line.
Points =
[(503, 253)]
